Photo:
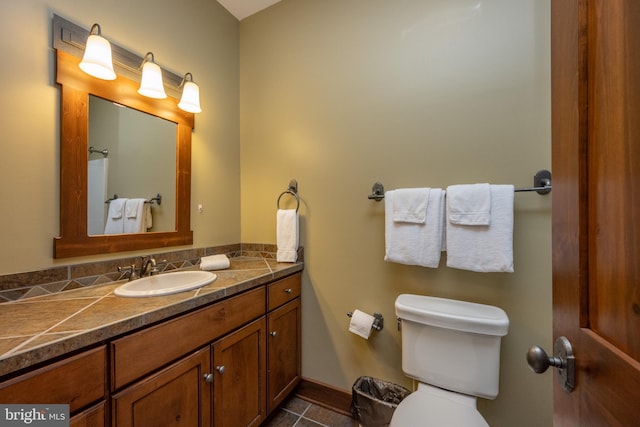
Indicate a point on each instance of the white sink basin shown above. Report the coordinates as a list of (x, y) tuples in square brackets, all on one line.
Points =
[(165, 284)]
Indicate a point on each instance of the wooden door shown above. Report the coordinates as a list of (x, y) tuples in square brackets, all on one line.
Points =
[(284, 351), (596, 207), (239, 390), (176, 396)]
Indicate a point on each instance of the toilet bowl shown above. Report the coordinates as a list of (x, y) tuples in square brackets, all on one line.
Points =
[(452, 348)]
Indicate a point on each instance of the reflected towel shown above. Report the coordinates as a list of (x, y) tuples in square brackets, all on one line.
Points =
[(115, 220), (485, 248), (135, 218), (214, 262), (415, 244), (287, 235)]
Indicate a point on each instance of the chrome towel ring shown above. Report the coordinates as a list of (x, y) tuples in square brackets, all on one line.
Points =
[(293, 191)]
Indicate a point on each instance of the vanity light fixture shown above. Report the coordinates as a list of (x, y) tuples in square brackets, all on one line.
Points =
[(97, 61), (190, 101), (151, 84)]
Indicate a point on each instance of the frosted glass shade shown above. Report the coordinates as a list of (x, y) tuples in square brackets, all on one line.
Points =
[(97, 60), (151, 84), (190, 100)]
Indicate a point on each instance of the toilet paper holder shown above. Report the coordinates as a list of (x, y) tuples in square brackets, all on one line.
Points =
[(378, 320)]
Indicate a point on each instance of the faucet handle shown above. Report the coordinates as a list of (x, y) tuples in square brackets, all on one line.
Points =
[(129, 272)]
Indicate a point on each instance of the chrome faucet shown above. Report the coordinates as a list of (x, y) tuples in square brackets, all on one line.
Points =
[(148, 266)]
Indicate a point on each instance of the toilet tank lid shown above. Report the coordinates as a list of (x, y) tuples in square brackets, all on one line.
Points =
[(453, 314)]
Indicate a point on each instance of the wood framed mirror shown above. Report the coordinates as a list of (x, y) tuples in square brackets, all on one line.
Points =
[(76, 86)]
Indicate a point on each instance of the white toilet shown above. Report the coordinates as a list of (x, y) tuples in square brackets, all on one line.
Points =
[(453, 349)]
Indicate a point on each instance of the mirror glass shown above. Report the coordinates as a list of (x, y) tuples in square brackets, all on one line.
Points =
[(132, 156)]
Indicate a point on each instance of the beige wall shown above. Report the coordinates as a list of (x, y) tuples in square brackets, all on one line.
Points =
[(342, 93), (199, 36)]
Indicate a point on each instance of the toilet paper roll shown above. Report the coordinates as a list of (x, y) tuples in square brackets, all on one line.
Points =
[(361, 324)]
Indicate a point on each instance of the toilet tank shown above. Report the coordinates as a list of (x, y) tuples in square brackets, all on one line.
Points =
[(454, 345)]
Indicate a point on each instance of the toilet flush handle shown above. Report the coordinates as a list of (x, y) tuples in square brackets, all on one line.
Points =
[(563, 360)]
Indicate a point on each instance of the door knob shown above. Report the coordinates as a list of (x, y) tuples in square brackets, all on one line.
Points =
[(562, 359), (273, 333), (539, 362), (220, 369), (208, 378)]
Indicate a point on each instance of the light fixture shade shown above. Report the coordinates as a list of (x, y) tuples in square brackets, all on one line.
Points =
[(190, 100), (97, 60), (151, 84)]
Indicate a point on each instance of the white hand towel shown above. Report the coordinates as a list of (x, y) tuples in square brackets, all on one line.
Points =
[(134, 221), (410, 205), (415, 244), (486, 248), (287, 235), (469, 204), (214, 262), (115, 222)]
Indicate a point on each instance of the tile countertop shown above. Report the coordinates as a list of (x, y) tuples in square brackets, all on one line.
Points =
[(37, 329)]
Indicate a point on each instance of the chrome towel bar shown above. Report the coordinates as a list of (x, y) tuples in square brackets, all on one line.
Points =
[(541, 185)]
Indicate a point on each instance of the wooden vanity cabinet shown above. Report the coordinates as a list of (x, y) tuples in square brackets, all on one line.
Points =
[(138, 354), (229, 364), (284, 339), (79, 381)]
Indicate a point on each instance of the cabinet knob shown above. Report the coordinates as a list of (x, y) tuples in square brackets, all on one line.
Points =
[(220, 369), (288, 290), (273, 333), (208, 378)]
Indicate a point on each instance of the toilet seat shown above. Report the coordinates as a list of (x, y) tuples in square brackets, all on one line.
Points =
[(432, 406)]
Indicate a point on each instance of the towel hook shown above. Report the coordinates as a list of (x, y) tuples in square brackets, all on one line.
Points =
[(292, 189)]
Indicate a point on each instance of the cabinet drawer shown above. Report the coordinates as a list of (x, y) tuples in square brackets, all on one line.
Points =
[(283, 291), (77, 381), (138, 354)]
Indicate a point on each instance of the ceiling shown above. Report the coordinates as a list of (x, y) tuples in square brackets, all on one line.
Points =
[(243, 8)]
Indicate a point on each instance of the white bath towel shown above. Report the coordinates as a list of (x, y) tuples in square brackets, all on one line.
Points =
[(214, 262), (485, 248), (287, 235), (469, 204), (415, 244), (410, 205), (115, 217), (135, 218)]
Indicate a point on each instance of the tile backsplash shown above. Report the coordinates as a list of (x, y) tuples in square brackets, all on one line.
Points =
[(63, 278)]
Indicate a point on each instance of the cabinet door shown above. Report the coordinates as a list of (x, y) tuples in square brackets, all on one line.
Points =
[(239, 390), (284, 351), (177, 395)]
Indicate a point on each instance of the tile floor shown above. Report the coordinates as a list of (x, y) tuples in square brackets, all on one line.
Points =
[(300, 413)]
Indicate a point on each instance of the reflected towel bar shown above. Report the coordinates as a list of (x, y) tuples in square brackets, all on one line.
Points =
[(157, 199)]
